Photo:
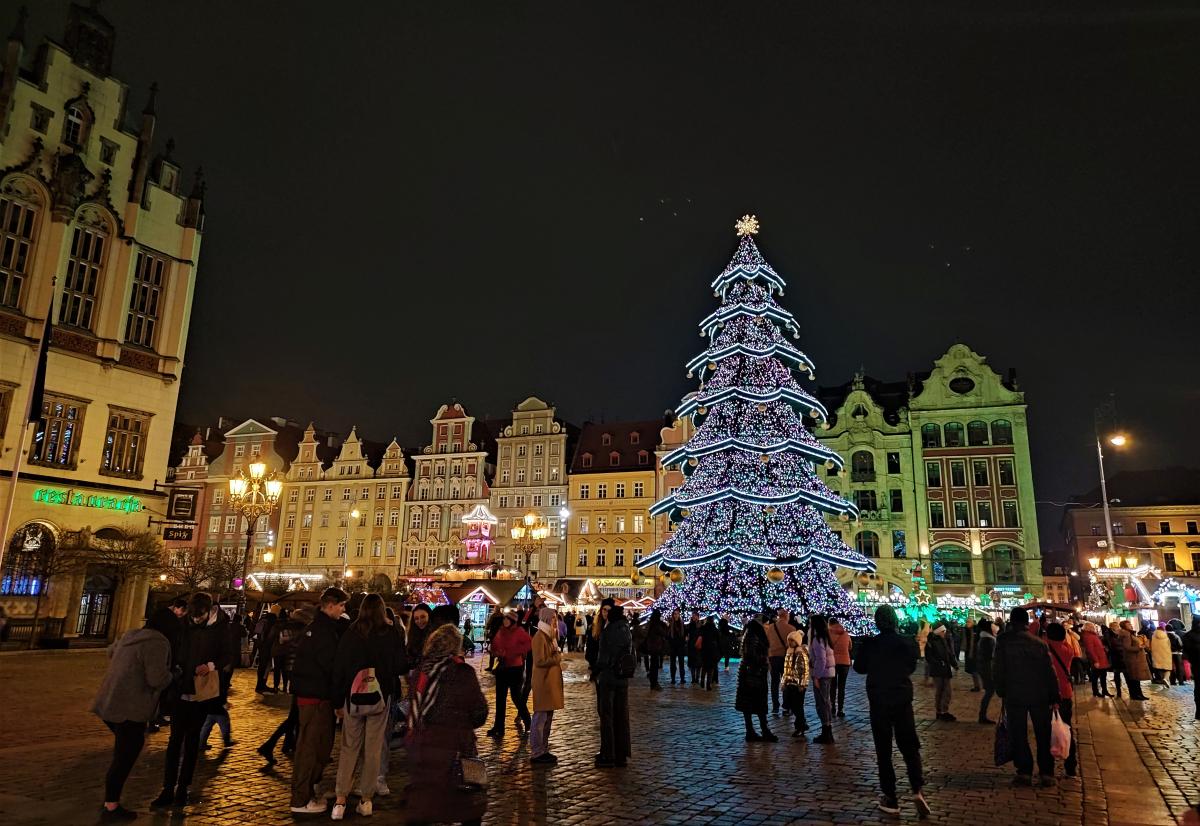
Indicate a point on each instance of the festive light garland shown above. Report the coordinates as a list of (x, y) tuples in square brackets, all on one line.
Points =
[(818, 453), (761, 309)]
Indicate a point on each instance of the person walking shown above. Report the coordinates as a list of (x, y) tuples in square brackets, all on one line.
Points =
[(366, 671), (615, 664), (656, 646), (676, 644), (985, 649), (263, 636), (1133, 654), (1026, 683), (1191, 653), (1116, 659), (710, 653), (572, 631), (447, 707), (580, 631), (778, 625), (824, 671), (796, 674), (889, 660), (1160, 655), (204, 649), (693, 647), (941, 666), (1177, 677), (969, 645), (1097, 658), (547, 687), (842, 644), (313, 691), (511, 646), (754, 681), (1060, 660), (139, 669)]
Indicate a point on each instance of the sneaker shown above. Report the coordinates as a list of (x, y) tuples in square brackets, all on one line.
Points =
[(889, 804), (381, 788), (312, 807), (365, 808), (495, 732), (923, 809), (108, 815), (752, 737), (339, 811)]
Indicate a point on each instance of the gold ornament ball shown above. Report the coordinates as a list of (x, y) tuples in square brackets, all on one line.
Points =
[(766, 457), (634, 579), (693, 461), (685, 513), (829, 464), (712, 365), (676, 576), (769, 509), (816, 414), (701, 410), (762, 408), (825, 425), (775, 575)]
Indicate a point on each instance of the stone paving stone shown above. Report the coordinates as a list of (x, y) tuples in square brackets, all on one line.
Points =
[(690, 764)]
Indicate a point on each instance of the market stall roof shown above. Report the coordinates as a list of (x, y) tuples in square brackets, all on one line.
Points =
[(300, 598), (496, 591)]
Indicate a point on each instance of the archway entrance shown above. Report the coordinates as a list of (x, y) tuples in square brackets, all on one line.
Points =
[(95, 606)]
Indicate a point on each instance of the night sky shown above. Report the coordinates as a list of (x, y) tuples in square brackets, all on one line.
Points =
[(410, 202)]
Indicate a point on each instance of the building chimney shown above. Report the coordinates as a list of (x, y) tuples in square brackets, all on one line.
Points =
[(141, 158)]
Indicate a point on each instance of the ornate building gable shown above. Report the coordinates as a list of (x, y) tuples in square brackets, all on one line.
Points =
[(963, 379), (860, 416), (350, 463), (394, 464)]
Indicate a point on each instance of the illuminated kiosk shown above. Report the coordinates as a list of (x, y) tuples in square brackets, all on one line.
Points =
[(1119, 589)]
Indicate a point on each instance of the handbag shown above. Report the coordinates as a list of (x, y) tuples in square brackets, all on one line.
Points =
[(208, 686), (1002, 748), (470, 773), (1060, 737)]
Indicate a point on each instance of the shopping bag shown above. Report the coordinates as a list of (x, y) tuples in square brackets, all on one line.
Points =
[(1002, 748), (1060, 737), (208, 686)]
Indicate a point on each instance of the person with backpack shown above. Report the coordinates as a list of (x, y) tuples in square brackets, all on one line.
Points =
[(511, 646), (312, 688), (1026, 683), (615, 664), (366, 671)]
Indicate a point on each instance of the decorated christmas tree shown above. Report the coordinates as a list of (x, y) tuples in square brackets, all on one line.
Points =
[(751, 532)]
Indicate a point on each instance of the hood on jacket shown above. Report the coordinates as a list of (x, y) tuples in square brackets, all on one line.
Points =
[(141, 636), (797, 638)]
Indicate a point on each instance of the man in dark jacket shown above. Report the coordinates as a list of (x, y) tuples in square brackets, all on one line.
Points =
[(940, 658), (613, 659), (1191, 653), (888, 659), (312, 684), (1026, 683), (262, 644)]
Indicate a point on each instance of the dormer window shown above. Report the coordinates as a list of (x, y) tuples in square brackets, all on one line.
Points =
[(643, 457), (635, 438), (76, 124), (606, 439), (614, 459), (586, 461)]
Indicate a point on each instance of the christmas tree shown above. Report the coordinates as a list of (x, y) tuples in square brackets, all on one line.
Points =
[(751, 532)]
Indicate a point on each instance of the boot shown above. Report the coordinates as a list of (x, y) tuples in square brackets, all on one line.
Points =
[(165, 798), (826, 735), (769, 736)]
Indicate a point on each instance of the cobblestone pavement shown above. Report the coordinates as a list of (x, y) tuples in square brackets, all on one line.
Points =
[(690, 763)]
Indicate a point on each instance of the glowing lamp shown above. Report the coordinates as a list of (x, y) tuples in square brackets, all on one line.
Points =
[(274, 488), (237, 486), (1131, 561), (258, 470), (1118, 439), (162, 577), (1094, 561), (529, 519), (268, 557), (354, 514)]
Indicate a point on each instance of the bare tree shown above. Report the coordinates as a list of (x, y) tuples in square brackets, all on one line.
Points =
[(46, 558), (199, 569), (127, 556)]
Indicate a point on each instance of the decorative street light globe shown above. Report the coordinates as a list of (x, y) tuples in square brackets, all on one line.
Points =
[(253, 497)]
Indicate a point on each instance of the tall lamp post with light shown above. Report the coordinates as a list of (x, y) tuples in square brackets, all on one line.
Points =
[(527, 536), (253, 497), (351, 515), (1116, 439)]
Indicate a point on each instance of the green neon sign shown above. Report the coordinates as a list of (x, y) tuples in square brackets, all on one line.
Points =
[(79, 499)]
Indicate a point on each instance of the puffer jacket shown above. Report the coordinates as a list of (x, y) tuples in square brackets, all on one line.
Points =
[(820, 655), (1160, 651), (796, 670), (1094, 648), (842, 643)]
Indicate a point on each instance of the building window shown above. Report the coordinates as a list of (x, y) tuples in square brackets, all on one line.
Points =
[(1005, 468), (124, 443), (379, 519), (862, 466), (1141, 529), (239, 450), (1169, 561), (75, 125), (958, 475), (555, 500), (638, 553), (639, 523), (614, 459), (867, 543), (933, 474), (865, 500), (520, 450), (505, 476), (219, 496), (1001, 432), (435, 517), (394, 519), (287, 550), (108, 152), (1191, 528), (899, 545), (984, 512), (306, 521), (639, 489), (951, 564), (634, 437), (600, 561), (381, 491), (620, 490), (553, 474), (643, 457), (893, 462), (17, 221), (1164, 527), (397, 491), (954, 434), (39, 121), (347, 494), (82, 280), (520, 501), (327, 496), (359, 547), (537, 474), (1002, 565), (365, 493), (376, 548), (320, 550), (56, 439), (303, 550), (292, 496), (896, 505), (431, 558), (583, 491), (1196, 560), (586, 460), (606, 439), (308, 494), (979, 469), (1011, 516), (620, 524), (291, 519), (504, 501), (414, 557), (145, 300), (977, 433), (602, 491), (583, 558), (937, 515), (537, 500), (601, 524), (931, 435), (619, 556), (520, 475), (538, 448), (414, 519), (962, 517)]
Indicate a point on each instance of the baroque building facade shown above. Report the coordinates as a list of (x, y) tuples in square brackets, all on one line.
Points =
[(99, 236)]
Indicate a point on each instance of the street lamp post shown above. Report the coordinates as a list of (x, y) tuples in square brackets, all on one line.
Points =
[(527, 538), (1116, 440), (350, 517), (253, 496)]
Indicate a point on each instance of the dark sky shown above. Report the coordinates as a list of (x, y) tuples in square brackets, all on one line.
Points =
[(423, 200)]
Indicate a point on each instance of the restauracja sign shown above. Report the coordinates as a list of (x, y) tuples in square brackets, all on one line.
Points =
[(51, 496)]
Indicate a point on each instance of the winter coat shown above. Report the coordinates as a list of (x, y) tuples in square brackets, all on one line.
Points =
[(777, 634), (1112, 644), (1093, 647), (888, 660), (547, 681), (1021, 669), (677, 637), (447, 729), (710, 644), (205, 642), (415, 644), (1062, 670), (753, 671), (616, 641), (316, 650), (938, 656), (728, 643), (796, 670), (693, 634), (842, 643), (637, 630), (1133, 655), (139, 669), (1191, 648), (656, 643), (510, 645), (820, 655), (1160, 651), (355, 652), (985, 649)]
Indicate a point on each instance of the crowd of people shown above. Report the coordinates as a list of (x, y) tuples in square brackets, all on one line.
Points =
[(366, 679)]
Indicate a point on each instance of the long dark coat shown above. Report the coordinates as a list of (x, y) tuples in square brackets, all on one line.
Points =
[(753, 671)]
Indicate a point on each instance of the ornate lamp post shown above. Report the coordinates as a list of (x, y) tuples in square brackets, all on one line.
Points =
[(527, 538), (253, 496)]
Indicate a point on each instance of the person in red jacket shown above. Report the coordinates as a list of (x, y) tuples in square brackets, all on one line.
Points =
[(511, 645), (841, 658), (1060, 659), (1097, 657)]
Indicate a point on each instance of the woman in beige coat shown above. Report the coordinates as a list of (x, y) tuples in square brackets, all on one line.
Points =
[(547, 683)]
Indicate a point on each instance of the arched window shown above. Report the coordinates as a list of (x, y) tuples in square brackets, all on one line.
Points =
[(614, 458), (634, 437), (89, 246), (862, 466), (1002, 432), (1002, 566), (867, 543), (951, 564), (29, 553), (977, 433), (586, 461), (931, 435), (17, 222), (643, 457), (954, 434), (77, 122), (606, 439)]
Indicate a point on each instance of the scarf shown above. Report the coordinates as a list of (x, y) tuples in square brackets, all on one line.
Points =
[(442, 650), (549, 631)]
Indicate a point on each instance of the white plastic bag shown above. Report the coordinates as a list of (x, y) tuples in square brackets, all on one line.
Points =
[(1060, 737)]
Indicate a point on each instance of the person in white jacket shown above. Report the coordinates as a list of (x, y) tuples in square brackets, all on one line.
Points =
[(1160, 655), (824, 671)]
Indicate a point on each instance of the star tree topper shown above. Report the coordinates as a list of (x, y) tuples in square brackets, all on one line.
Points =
[(747, 225)]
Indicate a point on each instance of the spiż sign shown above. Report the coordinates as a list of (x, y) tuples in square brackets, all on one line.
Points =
[(79, 499)]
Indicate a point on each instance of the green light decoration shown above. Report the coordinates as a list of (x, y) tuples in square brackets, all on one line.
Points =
[(75, 498)]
